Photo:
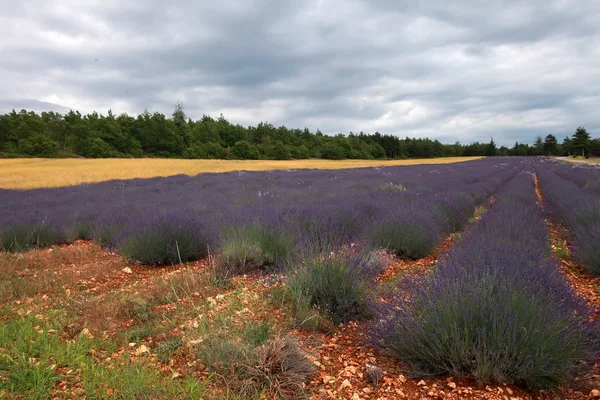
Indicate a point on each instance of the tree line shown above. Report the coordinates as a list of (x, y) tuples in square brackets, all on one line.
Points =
[(51, 134)]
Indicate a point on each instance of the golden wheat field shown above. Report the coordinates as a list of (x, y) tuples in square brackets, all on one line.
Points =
[(29, 173)]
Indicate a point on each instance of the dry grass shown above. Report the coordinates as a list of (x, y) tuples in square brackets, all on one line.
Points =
[(48, 271), (28, 173)]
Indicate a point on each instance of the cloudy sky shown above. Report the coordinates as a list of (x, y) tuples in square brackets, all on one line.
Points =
[(507, 69)]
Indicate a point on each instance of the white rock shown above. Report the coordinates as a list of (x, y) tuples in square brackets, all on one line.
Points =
[(86, 332), (142, 350)]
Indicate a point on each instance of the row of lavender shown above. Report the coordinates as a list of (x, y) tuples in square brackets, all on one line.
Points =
[(496, 308), (586, 176), (573, 196), (256, 216)]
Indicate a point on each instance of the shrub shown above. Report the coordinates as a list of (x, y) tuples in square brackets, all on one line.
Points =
[(168, 348), (23, 237), (223, 356), (257, 334), (487, 329), (408, 240), (279, 366), (320, 229), (105, 235), (79, 230), (337, 284), (457, 210), (165, 240), (254, 246), (309, 318)]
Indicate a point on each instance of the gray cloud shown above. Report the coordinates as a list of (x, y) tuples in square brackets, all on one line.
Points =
[(507, 69)]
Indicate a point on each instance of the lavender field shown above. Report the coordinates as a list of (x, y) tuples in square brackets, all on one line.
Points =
[(306, 206), (448, 269)]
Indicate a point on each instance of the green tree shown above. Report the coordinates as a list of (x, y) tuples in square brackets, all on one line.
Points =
[(550, 145), (244, 150), (595, 148), (206, 132), (214, 150), (567, 146), (581, 142), (95, 147), (377, 151), (39, 145), (281, 151), (333, 151), (503, 151), (181, 122), (491, 149), (520, 149), (300, 152), (538, 146), (97, 135), (6, 134), (158, 135)]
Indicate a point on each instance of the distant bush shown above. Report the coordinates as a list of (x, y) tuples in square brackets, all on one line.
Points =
[(247, 248), (337, 284), (165, 240)]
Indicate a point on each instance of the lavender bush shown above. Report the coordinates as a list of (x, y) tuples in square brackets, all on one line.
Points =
[(337, 283), (166, 239), (575, 206), (497, 308), (26, 236), (253, 246)]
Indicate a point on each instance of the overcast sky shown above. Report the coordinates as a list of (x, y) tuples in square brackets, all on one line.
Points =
[(507, 69)]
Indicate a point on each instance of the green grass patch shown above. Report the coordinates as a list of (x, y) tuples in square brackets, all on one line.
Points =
[(248, 248)]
